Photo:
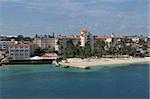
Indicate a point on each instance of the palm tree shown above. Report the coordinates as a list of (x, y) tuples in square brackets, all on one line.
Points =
[(99, 48)]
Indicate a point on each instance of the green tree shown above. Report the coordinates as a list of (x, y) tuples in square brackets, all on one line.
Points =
[(99, 48), (69, 50)]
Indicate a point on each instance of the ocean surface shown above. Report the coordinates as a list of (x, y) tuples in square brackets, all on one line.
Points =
[(50, 82)]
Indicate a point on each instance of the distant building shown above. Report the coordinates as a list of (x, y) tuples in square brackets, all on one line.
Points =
[(4, 45), (79, 40), (20, 51), (84, 36), (3, 38), (113, 39), (44, 42), (2, 54), (135, 39), (62, 41), (106, 39)]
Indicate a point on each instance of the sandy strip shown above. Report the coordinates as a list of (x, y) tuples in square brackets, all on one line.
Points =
[(77, 62)]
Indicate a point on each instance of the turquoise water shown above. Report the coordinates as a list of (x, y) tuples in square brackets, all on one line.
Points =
[(48, 81)]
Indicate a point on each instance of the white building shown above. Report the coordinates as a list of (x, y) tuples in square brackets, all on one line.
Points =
[(135, 39), (4, 45), (20, 51)]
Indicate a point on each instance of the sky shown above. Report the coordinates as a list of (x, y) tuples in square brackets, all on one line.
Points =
[(68, 17)]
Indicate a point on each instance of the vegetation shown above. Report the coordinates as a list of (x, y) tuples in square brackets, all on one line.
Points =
[(101, 48), (22, 38), (124, 46)]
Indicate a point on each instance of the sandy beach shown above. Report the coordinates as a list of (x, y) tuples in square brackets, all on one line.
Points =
[(79, 63)]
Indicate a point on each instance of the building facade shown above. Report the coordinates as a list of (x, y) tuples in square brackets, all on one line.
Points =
[(44, 42), (60, 43), (20, 51), (4, 45)]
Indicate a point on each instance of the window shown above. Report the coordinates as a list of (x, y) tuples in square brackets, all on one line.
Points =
[(16, 54), (21, 54), (11, 47), (21, 50), (26, 50), (26, 54), (16, 50), (12, 50), (26, 47)]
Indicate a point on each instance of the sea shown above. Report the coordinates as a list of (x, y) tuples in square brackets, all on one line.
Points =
[(130, 81)]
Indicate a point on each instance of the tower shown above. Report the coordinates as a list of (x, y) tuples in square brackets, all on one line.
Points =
[(84, 36)]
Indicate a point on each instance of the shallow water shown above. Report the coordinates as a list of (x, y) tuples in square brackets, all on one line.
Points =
[(48, 81)]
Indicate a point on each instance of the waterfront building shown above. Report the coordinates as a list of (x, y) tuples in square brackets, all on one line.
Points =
[(60, 43), (37, 42), (44, 42), (20, 51), (85, 37)]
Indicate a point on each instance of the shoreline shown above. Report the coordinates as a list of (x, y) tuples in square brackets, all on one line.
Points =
[(87, 63), (99, 62)]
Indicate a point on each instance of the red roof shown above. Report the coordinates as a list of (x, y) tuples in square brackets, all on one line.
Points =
[(102, 37), (105, 37), (85, 30), (69, 37), (119, 37)]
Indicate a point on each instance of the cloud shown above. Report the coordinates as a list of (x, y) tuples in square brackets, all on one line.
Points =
[(104, 15)]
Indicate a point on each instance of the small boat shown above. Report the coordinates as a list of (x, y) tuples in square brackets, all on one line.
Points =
[(65, 66), (87, 67)]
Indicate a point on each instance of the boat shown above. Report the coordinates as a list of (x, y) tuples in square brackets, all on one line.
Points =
[(87, 67), (65, 66)]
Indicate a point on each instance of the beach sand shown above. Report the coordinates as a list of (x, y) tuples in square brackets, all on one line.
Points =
[(79, 63)]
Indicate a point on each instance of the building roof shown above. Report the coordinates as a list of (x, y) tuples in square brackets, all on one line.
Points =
[(21, 44), (122, 36), (85, 30), (105, 37), (69, 37), (102, 37)]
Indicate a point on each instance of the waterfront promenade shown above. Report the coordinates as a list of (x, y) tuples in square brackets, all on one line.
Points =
[(79, 63)]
